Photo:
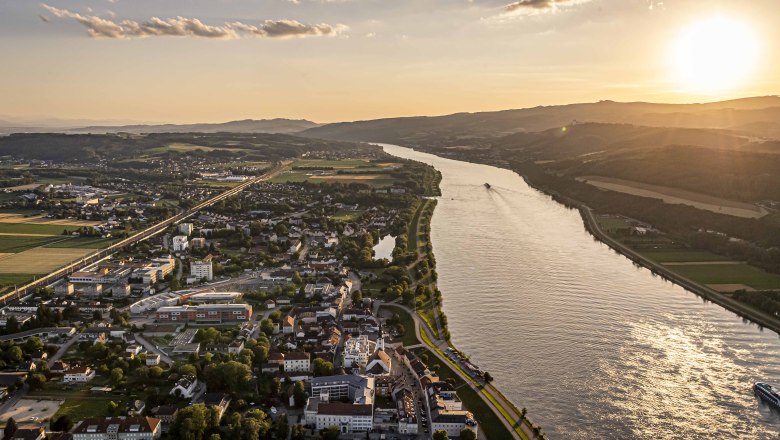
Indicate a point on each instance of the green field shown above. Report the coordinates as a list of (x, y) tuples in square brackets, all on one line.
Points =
[(84, 243), (28, 228), (612, 223), (82, 407), (346, 163), (16, 279), (346, 216), (409, 337), (729, 274), (11, 244), (677, 256)]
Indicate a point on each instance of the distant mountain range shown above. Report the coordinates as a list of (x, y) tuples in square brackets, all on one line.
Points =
[(758, 116), (245, 126)]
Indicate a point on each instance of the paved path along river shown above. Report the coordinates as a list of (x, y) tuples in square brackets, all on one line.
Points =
[(593, 346)]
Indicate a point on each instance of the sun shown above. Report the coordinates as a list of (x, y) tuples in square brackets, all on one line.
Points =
[(715, 55)]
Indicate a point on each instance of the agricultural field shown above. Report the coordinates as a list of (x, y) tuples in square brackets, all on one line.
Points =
[(341, 164), (35, 229), (84, 243), (16, 218), (724, 276), (677, 196), (39, 260), (681, 256), (11, 244)]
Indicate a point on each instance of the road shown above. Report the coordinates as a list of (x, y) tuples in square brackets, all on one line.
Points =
[(153, 349), (142, 235), (476, 386), (63, 349)]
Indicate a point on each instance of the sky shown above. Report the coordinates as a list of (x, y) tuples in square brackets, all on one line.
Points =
[(192, 61)]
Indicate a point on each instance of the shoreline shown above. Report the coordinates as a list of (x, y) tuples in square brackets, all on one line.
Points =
[(517, 425), (745, 311), (501, 410)]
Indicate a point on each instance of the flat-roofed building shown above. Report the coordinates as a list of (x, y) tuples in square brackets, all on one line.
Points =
[(202, 269), (205, 313)]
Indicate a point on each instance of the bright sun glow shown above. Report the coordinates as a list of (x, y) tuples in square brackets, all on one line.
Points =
[(715, 55)]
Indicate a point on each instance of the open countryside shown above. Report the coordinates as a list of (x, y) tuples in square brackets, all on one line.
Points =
[(677, 196)]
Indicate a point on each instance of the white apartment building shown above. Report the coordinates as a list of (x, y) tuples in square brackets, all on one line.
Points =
[(202, 269), (180, 243), (186, 228), (297, 362), (79, 374)]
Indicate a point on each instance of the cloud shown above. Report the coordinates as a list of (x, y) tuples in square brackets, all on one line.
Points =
[(98, 27), (531, 7)]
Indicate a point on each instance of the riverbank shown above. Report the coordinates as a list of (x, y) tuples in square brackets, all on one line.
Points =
[(591, 224), (499, 417)]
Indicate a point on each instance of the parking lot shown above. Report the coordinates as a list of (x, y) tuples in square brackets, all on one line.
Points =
[(32, 410)]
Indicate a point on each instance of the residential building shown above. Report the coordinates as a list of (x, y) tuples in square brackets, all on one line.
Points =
[(79, 374), (347, 417), (185, 387), (186, 228), (202, 269), (297, 362), (236, 346), (180, 243), (357, 351), (118, 428), (152, 359)]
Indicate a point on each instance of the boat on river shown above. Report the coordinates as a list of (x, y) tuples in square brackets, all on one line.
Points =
[(767, 393)]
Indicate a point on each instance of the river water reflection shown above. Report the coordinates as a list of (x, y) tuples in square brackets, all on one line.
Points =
[(593, 346)]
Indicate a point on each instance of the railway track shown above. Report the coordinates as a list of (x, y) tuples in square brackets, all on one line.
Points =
[(147, 233)]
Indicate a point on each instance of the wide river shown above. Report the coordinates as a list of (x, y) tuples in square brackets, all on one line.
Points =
[(593, 346)]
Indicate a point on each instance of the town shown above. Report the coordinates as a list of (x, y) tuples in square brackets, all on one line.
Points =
[(284, 311)]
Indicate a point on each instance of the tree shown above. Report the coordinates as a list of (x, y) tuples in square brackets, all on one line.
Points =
[(322, 367), (488, 378), (194, 421), (298, 433), (440, 435), (113, 408), (331, 433), (255, 425), (357, 297), (12, 325), (63, 423), (299, 394), (468, 434), (117, 375), (155, 372), (230, 376), (296, 279), (281, 427), (36, 381), (14, 353), (267, 326), (10, 428)]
